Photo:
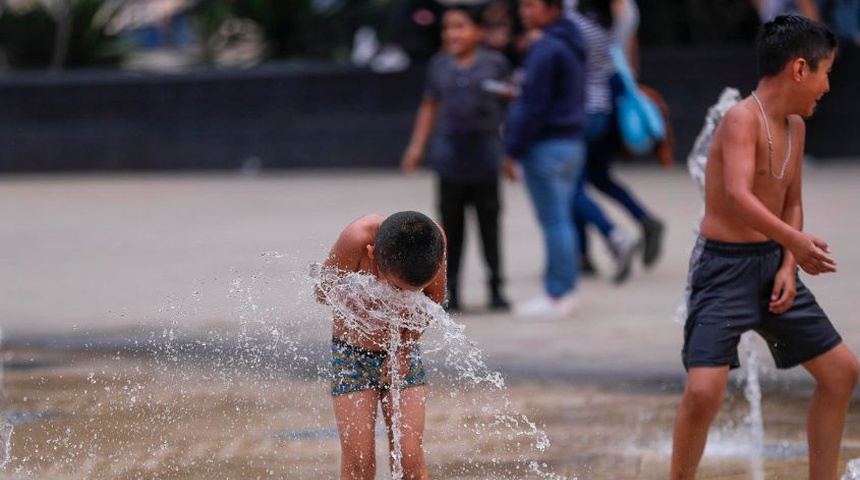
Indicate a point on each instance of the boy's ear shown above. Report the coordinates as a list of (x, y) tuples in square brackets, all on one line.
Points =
[(799, 67), (369, 248)]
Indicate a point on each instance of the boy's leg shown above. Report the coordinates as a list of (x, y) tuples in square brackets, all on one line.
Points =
[(356, 421), (487, 208), (452, 205), (699, 405), (412, 413), (835, 374)]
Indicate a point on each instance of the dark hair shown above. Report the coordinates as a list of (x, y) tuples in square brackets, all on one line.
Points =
[(553, 3), (410, 246), (787, 37), (475, 13), (598, 10)]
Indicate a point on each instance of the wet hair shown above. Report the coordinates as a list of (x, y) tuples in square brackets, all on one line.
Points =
[(409, 245), (787, 37), (475, 13)]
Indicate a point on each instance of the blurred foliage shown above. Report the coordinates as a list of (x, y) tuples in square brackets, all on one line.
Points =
[(27, 37), (91, 42), (318, 29), (29, 40), (40, 35)]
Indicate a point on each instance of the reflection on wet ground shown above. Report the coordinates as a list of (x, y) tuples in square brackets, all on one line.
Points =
[(129, 414)]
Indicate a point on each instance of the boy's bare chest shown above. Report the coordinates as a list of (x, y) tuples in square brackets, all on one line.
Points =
[(770, 190)]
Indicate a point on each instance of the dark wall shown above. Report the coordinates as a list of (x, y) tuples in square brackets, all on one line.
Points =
[(692, 79), (285, 117), (317, 116)]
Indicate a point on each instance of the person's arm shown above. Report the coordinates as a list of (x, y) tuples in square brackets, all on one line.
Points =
[(809, 9), (424, 121), (625, 16), (527, 115), (740, 130), (784, 283), (345, 255), (757, 5), (792, 213)]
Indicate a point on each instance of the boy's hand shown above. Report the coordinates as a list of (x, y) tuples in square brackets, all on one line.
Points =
[(812, 255), (784, 291), (509, 167), (402, 366), (411, 159)]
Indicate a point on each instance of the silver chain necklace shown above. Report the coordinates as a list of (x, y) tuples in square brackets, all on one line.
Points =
[(770, 142)]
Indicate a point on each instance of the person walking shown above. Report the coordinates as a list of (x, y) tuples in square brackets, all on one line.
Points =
[(544, 136)]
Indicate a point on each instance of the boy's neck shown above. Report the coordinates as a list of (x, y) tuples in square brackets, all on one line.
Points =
[(776, 98), (467, 58)]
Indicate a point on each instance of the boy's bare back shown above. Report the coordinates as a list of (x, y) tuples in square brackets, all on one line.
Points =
[(353, 252)]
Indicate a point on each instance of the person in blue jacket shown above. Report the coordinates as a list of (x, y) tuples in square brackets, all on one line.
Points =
[(544, 137)]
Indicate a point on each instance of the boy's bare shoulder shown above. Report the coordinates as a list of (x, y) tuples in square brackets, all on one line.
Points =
[(742, 113), (740, 123), (364, 227)]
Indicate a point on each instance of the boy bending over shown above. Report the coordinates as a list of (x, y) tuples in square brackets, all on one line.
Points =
[(406, 252)]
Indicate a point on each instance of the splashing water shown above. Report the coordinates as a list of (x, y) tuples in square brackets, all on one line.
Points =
[(370, 307), (6, 427), (852, 470), (245, 395), (752, 392)]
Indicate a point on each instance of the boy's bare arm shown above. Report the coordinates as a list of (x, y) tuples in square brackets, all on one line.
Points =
[(739, 134), (739, 148), (438, 287), (424, 121), (792, 213), (784, 288), (345, 255)]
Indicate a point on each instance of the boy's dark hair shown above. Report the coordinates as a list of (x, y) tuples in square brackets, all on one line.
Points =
[(410, 246), (553, 3), (475, 13), (787, 37)]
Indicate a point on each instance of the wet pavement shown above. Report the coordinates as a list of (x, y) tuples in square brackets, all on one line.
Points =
[(99, 270)]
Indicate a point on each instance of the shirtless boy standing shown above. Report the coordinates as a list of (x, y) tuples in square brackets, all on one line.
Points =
[(744, 273)]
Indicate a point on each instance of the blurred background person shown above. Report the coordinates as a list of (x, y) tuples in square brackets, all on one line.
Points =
[(598, 108), (843, 16), (544, 136), (467, 149), (770, 9), (594, 19)]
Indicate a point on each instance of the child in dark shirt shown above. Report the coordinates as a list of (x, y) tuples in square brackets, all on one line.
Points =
[(461, 108)]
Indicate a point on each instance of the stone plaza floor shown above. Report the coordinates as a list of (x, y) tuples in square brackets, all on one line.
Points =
[(103, 273)]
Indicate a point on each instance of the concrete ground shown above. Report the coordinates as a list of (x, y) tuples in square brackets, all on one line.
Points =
[(92, 260)]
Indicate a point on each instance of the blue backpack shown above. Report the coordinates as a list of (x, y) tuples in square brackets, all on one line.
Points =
[(639, 120)]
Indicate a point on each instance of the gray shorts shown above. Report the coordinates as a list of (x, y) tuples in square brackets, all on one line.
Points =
[(730, 286)]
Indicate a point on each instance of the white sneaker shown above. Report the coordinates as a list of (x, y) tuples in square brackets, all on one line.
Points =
[(623, 247), (546, 306)]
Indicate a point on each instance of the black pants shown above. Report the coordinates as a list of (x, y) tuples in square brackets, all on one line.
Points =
[(454, 198)]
